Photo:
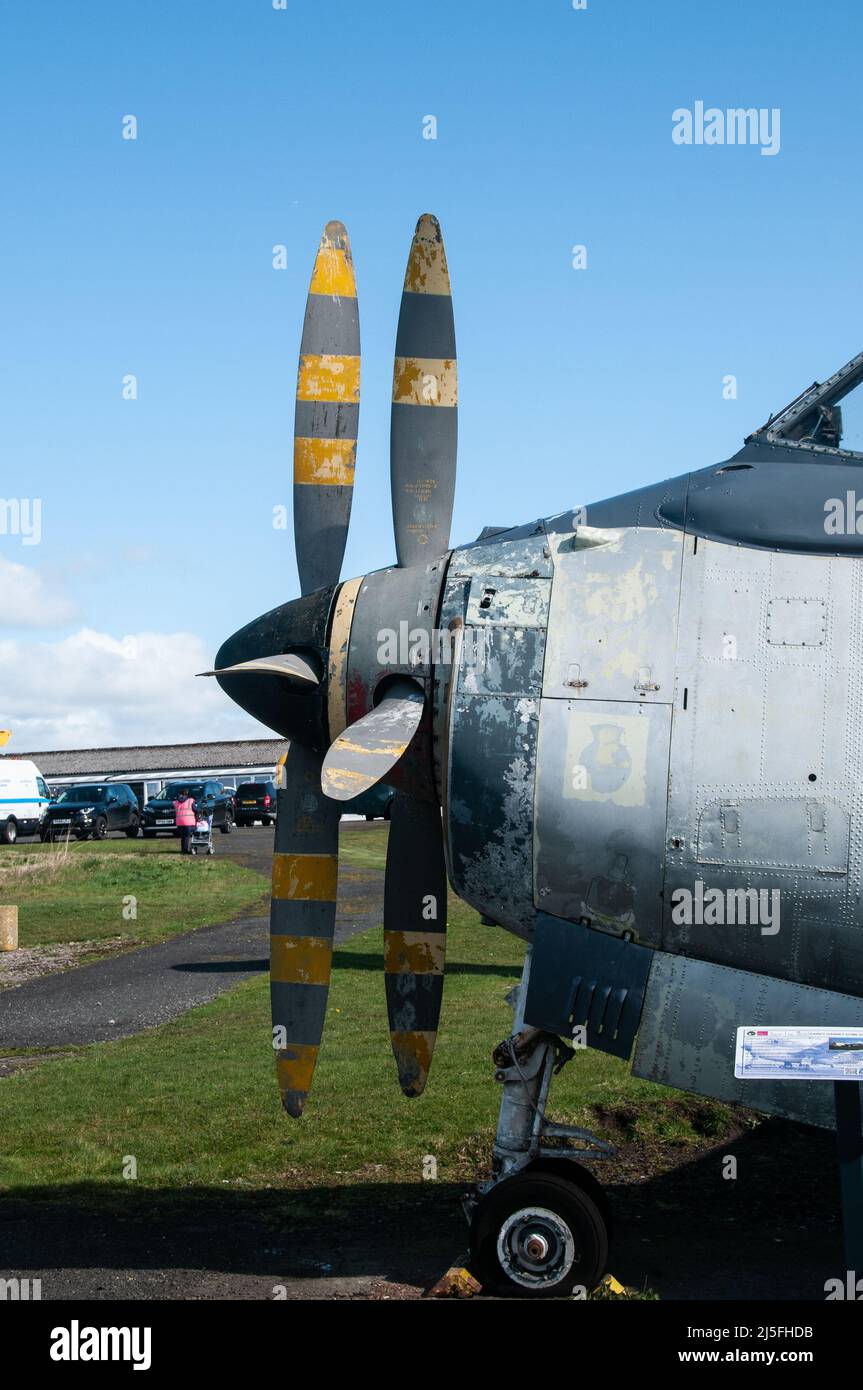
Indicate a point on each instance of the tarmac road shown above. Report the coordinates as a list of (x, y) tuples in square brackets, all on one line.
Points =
[(124, 994)]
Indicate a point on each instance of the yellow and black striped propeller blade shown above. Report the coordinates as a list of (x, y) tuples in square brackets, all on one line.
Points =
[(302, 921), (415, 915), (327, 413), (424, 421)]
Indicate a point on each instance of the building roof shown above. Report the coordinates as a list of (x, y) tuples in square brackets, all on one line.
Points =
[(169, 757)]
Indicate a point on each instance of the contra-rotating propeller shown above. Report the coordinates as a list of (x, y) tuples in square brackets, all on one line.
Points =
[(423, 441), (284, 686)]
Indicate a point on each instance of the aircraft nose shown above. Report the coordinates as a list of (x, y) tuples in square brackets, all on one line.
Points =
[(285, 686)]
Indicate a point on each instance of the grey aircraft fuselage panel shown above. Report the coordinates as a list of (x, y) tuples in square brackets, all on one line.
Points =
[(665, 689)]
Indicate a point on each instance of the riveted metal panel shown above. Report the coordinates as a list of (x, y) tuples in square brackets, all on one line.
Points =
[(601, 793), (505, 602), (692, 1010), (503, 661), (528, 557), (772, 496), (612, 622), (492, 759), (766, 743), (499, 655)]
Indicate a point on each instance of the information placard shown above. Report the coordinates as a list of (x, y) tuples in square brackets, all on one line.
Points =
[(799, 1054)]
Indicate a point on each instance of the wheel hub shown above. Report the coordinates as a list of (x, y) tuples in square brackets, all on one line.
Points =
[(535, 1247)]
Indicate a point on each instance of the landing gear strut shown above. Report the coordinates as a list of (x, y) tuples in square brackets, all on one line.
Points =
[(539, 1227)]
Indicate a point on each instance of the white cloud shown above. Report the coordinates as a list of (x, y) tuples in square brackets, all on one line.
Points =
[(91, 690), (27, 601)]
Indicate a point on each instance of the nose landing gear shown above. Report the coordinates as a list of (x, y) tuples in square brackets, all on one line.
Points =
[(540, 1226)]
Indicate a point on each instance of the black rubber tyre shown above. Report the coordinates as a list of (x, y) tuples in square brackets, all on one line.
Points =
[(229, 824), (538, 1235), (132, 830), (100, 829), (9, 832)]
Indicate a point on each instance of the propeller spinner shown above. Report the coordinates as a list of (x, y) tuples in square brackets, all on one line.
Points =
[(312, 668)]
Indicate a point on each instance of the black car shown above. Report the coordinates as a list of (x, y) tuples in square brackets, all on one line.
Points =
[(256, 801), (210, 797), (94, 808)]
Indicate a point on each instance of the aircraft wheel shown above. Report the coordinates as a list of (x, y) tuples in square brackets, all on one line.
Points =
[(538, 1235)]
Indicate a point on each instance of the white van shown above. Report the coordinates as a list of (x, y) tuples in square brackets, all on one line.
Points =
[(24, 799)]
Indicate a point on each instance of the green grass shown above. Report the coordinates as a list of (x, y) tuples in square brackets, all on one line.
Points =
[(363, 848), (195, 1101), (83, 892)]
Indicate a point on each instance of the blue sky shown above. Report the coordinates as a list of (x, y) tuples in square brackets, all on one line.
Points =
[(256, 126)]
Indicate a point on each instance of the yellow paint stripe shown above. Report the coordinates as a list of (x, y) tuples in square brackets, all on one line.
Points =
[(333, 274), (413, 1053), (387, 748), (340, 635), (427, 271), (328, 377), (301, 960), (334, 773), (414, 952), (425, 381), (328, 461), (305, 877), (295, 1071)]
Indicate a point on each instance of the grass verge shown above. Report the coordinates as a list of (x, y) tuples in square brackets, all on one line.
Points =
[(143, 890)]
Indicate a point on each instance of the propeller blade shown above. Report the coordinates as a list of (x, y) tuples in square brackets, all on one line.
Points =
[(288, 664), (415, 908), (424, 421), (302, 922), (368, 749), (327, 413)]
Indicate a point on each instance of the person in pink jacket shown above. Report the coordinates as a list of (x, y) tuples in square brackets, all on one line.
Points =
[(184, 818)]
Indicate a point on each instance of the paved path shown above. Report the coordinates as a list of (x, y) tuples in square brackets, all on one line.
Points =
[(140, 989)]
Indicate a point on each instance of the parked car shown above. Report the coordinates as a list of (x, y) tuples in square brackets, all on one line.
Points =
[(94, 808), (375, 804), (210, 797), (24, 799), (256, 801)]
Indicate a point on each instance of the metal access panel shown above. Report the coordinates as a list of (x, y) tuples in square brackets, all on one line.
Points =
[(613, 618), (602, 781), (585, 978), (692, 1010), (765, 758)]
